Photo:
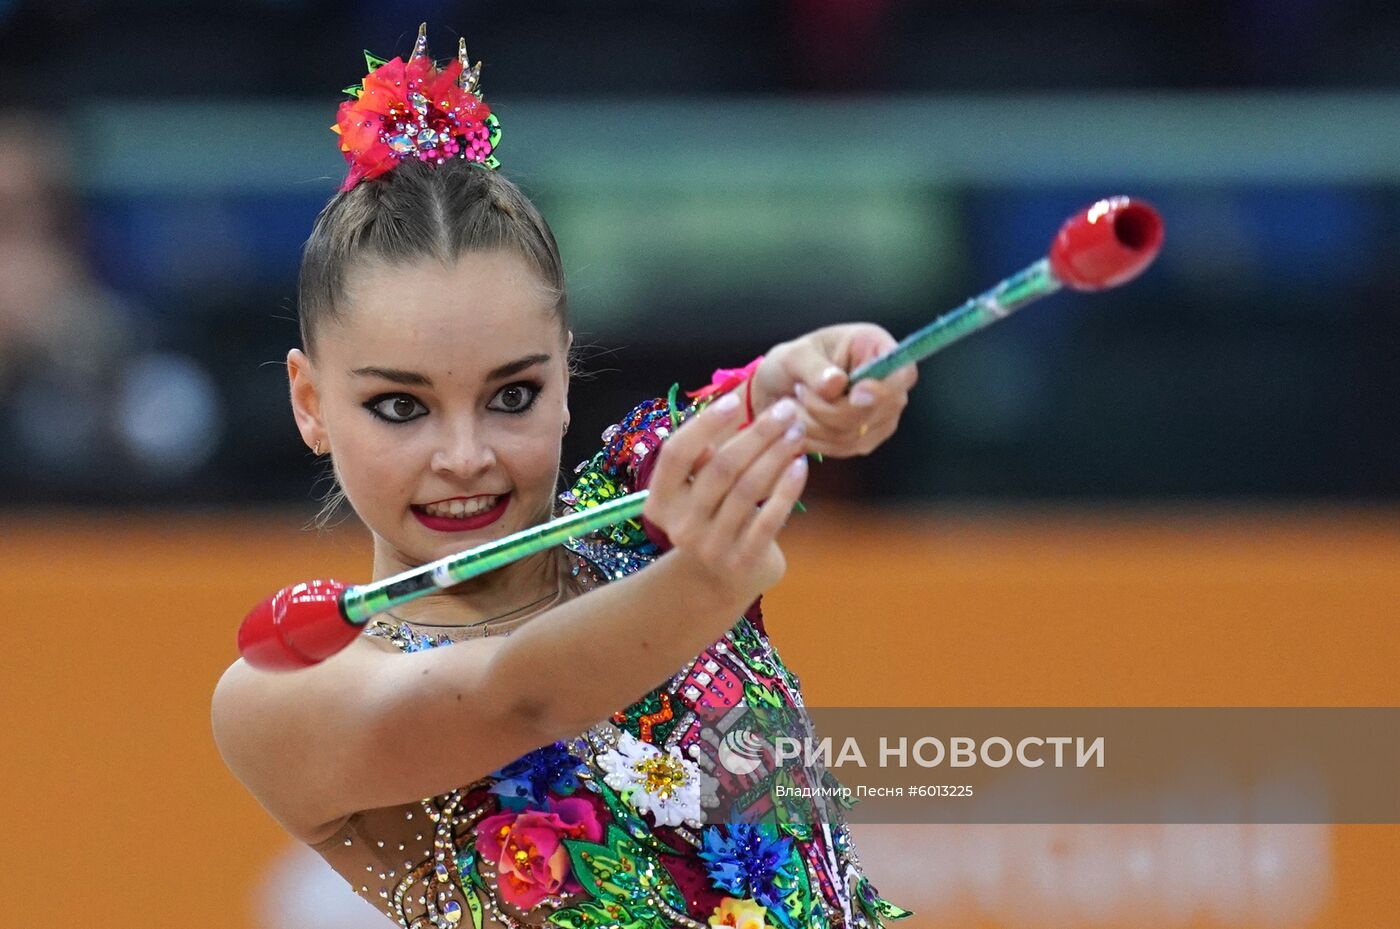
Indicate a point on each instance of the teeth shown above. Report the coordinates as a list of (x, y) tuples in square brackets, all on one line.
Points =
[(461, 509)]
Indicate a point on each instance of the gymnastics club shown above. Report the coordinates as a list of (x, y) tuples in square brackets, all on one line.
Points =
[(1105, 245)]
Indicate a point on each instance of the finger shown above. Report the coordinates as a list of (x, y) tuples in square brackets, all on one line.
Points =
[(876, 395), (807, 365), (874, 434), (843, 429), (827, 418), (869, 398), (826, 430), (867, 342), (862, 441), (730, 462), (756, 484), (773, 514), (906, 377), (902, 378), (681, 454)]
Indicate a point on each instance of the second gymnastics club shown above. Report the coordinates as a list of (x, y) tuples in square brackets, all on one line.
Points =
[(1103, 246)]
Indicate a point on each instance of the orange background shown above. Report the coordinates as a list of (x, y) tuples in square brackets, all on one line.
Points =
[(120, 814)]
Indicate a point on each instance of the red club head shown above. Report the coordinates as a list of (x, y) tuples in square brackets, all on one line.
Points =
[(297, 627), (1108, 244)]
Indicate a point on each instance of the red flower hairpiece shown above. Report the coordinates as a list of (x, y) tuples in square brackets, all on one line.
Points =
[(415, 110)]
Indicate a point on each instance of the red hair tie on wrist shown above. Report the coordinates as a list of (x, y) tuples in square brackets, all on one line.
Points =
[(727, 379), (723, 381)]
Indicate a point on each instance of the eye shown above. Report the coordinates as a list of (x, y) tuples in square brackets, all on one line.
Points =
[(515, 398), (396, 408)]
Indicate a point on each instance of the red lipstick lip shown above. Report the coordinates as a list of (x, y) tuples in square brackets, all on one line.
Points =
[(465, 524)]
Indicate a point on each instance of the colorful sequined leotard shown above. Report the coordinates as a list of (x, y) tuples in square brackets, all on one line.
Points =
[(649, 820)]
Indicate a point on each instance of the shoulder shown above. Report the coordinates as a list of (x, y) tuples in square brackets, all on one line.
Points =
[(242, 685), (237, 687), (246, 696)]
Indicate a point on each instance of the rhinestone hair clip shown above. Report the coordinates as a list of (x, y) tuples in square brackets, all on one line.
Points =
[(415, 109)]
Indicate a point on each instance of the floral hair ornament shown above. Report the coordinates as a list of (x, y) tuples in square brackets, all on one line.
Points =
[(415, 110)]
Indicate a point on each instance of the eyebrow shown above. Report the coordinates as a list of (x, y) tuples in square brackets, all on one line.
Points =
[(414, 379)]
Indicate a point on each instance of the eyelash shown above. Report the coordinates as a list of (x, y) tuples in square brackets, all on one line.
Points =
[(375, 403)]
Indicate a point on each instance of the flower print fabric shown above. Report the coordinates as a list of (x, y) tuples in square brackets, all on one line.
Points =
[(649, 820), (748, 861), (652, 781), (526, 848), (741, 914)]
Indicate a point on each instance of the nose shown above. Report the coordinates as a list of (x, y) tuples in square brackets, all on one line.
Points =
[(463, 450)]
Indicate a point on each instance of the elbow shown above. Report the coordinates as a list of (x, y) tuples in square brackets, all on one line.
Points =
[(533, 707), (558, 714), (536, 717)]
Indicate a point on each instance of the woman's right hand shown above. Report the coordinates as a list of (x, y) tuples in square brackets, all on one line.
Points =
[(707, 487)]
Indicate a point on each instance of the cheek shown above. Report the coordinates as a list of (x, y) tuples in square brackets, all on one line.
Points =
[(533, 461), (376, 468)]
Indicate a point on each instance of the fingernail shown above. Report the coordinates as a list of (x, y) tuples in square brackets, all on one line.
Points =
[(799, 389), (862, 397), (728, 403), (798, 466), (832, 372), (784, 409), (795, 432)]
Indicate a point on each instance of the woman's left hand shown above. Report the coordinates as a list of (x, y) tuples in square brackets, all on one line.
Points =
[(813, 369)]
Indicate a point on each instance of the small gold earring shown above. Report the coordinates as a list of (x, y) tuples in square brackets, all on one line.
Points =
[(317, 449)]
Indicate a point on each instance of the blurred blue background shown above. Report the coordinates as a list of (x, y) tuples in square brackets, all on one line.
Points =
[(723, 175)]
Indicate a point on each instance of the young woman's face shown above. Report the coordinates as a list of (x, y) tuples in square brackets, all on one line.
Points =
[(442, 393)]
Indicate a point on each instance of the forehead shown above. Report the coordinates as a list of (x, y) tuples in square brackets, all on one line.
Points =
[(481, 310)]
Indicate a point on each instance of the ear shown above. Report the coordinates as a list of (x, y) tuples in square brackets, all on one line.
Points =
[(306, 400)]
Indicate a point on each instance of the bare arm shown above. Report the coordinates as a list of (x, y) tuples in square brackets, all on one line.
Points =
[(607, 649), (368, 729)]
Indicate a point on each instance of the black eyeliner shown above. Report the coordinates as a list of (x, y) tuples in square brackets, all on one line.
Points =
[(373, 402), (536, 388)]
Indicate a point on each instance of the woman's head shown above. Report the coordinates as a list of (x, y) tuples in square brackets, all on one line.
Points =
[(435, 367)]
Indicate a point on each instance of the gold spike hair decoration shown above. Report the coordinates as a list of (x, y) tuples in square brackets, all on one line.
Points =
[(420, 44), (470, 77)]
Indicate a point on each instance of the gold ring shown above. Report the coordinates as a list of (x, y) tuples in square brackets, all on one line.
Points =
[(864, 428)]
